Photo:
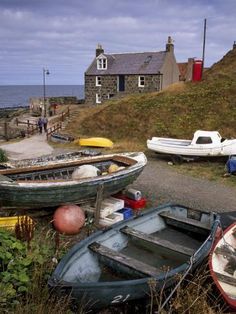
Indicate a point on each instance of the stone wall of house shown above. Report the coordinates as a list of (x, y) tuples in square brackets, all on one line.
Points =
[(108, 88)]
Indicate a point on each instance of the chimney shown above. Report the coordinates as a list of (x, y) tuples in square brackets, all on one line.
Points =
[(170, 45), (234, 45), (99, 50)]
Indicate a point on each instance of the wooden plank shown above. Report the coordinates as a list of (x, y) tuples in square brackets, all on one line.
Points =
[(127, 261), (158, 241), (226, 279), (98, 203), (188, 221)]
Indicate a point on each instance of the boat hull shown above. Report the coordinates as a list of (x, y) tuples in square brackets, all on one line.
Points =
[(105, 293), (42, 194), (185, 148), (221, 270)]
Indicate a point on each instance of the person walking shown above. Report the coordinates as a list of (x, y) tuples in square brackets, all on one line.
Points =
[(45, 124), (40, 125)]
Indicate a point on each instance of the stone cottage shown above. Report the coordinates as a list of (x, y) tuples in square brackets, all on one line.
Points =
[(120, 74)]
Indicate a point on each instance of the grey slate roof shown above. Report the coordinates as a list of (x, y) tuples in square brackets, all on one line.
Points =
[(130, 63)]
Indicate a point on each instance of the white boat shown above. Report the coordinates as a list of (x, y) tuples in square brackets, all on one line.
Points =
[(222, 262), (203, 144)]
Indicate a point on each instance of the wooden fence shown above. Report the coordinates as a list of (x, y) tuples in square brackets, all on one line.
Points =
[(31, 127), (53, 128)]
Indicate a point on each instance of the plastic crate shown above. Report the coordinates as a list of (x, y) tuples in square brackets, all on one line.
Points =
[(113, 203), (111, 219), (126, 212), (132, 203)]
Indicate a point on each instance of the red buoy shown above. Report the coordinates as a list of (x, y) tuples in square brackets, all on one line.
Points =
[(68, 219)]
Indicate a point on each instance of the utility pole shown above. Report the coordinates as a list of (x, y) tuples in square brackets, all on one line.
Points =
[(45, 72), (203, 47)]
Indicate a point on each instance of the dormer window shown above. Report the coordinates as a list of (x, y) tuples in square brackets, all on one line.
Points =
[(102, 63)]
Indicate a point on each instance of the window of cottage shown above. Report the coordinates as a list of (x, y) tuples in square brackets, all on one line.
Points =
[(102, 64), (141, 81), (98, 81), (98, 98)]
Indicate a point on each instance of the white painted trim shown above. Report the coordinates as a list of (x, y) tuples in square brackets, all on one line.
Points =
[(97, 83), (139, 81), (98, 98), (101, 65)]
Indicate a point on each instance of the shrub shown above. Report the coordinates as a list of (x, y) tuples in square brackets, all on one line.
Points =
[(3, 156)]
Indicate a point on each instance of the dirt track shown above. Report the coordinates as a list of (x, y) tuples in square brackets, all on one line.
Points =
[(160, 183)]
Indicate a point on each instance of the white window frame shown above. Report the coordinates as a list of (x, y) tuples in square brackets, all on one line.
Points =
[(98, 81), (101, 63), (141, 81), (98, 98)]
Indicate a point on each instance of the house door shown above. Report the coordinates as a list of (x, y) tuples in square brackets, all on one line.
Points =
[(121, 83)]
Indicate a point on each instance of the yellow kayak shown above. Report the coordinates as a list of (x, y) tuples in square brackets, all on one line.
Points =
[(94, 142)]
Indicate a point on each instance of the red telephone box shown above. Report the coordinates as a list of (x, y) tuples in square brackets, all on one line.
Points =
[(197, 70)]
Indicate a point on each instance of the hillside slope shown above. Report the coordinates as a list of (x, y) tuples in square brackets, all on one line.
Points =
[(175, 112)]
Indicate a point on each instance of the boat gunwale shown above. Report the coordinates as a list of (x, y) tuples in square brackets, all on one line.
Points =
[(129, 161), (230, 300), (165, 275)]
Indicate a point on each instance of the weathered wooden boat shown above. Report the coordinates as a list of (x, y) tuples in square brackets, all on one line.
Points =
[(222, 264), (52, 185), (119, 264), (203, 144), (94, 142)]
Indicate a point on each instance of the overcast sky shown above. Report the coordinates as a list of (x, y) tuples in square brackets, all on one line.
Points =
[(61, 35)]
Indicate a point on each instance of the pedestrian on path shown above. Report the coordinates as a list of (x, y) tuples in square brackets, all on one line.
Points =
[(45, 124), (40, 125)]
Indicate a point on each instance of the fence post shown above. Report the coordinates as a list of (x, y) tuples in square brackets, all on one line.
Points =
[(6, 130), (28, 124), (16, 121)]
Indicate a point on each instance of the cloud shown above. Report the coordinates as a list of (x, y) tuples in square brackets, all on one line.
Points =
[(63, 35)]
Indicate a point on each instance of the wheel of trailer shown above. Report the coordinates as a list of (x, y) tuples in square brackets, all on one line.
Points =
[(177, 159)]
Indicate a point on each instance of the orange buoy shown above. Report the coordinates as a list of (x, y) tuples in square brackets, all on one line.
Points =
[(68, 219)]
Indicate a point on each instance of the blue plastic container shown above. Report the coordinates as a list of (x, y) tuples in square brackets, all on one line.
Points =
[(126, 211)]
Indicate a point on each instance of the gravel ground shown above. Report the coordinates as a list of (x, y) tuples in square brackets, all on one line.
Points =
[(160, 183)]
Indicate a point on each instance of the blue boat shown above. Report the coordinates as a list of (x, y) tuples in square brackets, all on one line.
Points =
[(119, 264)]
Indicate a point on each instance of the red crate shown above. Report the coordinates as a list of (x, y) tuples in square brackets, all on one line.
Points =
[(132, 203)]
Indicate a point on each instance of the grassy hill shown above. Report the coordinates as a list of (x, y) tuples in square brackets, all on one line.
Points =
[(175, 112)]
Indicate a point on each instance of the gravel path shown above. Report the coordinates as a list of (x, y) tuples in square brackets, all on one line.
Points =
[(160, 183)]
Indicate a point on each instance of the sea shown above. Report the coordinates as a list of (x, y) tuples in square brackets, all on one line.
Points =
[(19, 95)]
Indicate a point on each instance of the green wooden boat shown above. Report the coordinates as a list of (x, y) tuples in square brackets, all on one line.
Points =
[(52, 185)]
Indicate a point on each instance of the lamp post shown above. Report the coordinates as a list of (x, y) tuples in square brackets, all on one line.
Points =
[(45, 72)]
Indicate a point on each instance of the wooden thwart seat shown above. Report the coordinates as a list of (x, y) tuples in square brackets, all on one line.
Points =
[(188, 221), (127, 261), (226, 279), (225, 251), (158, 241)]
